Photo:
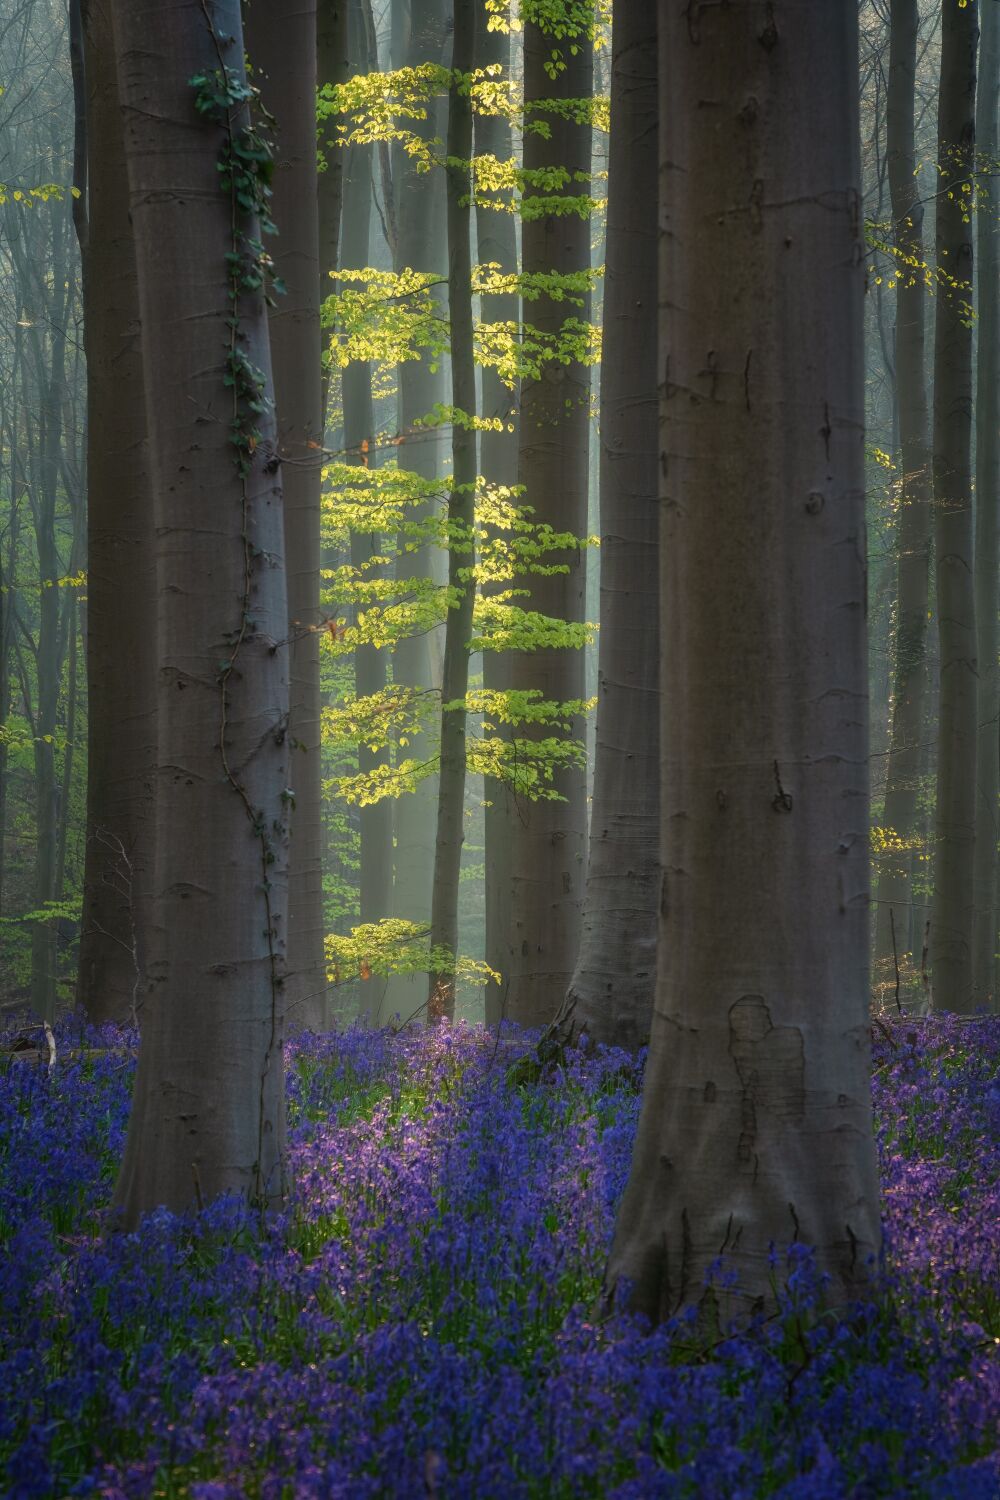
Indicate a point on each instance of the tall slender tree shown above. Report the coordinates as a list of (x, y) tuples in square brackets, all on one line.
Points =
[(370, 661), (121, 610), (420, 34), (496, 240), (548, 837), (208, 1109), (332, 68), (281, 37), (461, 519), (892, 921), (756, 1125), (955, 807), (611, 994), (987, 510)]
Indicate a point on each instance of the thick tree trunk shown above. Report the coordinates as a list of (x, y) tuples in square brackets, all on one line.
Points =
[(461, 543), (281, 40), (121, 603), (420, 35), (756, 1125), (611, 994), (496, 236), (987, 579), (892, 919), (955, 808), (208, 1110), (548, 838)]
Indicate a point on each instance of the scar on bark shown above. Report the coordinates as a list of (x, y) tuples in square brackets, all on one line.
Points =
[(770, 1063), (768, 38), (781, 801)]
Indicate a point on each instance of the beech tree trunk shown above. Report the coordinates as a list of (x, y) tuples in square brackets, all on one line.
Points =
[(756, 1124), (892, 920), (987, 548), (47, 302), (121, 588), (281, 39), (461, 542), (955, 807), (420, 35), (548, 838), (611, 994), (331, 67), (370, 662), (208, 1109), (496, 237)]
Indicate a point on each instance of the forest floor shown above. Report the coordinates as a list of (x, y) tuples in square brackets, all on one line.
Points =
[(419, 1322)]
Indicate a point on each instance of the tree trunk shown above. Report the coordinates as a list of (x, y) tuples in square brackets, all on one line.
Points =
[(955, 808), (548, 837), (331, 68), (892, 918), (47, 345), (121, 602), (69, 753), (756, 1124), (370, 662), (461, 542), (496, 236), (281, 39), (611, 995), (984, 962), (208, 1112), (420, 35)]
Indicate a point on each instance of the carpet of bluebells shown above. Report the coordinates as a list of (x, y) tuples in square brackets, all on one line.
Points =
[(421, 1319)]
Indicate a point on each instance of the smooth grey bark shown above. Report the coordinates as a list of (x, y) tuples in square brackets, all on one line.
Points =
[(496, 238), (987, 511), (281, 40), (121, 589), (892, 918), (370, 662), (8, 613), (420, 35), (332, 67), (46, 303), (208, 1111), (450, 834), (611, 993), (756, 1121), (548, 837), (955, 807)]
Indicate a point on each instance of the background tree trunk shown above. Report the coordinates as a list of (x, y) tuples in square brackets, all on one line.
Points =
[(370, 662), (420, 35), (208, 1112), (331, 68), (461, 544), (987, 548), (611, 994), (496, 236), (281, 39), (548, 838), (913, 529), (955, 808), (756, 1124), (121, 587)]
